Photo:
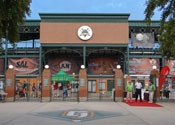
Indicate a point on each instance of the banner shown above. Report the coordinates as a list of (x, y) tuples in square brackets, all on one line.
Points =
[(142, 66), (102, 66), (68, 65), (142, 39), (25, 66), (171, 65), (163, 74), (1, 66)]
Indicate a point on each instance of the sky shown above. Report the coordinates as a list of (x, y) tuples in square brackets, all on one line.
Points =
[(134, 7)]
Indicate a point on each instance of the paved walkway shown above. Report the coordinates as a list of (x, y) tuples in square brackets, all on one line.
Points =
[(104, 113)]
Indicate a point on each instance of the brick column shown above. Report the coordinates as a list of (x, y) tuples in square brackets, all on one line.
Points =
[(118, 85), (154, 71), (10, 85), (83, 85), (46, 85)]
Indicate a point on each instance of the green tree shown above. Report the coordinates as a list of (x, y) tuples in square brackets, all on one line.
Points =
[(167, 26), (12, 14)]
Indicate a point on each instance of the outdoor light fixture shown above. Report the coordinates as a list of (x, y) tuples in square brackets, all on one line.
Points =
[(46, 66), (82, 67), (154, 67), (118, 66), (10, 66)]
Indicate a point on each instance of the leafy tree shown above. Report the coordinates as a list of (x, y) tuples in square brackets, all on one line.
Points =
[(167, 26), (12, 14)]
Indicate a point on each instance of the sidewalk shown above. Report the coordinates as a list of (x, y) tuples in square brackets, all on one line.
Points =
[(104, 113)]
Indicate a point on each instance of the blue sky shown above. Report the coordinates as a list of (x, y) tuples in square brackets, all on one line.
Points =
[(134, 7)]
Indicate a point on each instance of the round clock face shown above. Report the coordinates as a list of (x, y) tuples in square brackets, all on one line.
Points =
[(85, 32)]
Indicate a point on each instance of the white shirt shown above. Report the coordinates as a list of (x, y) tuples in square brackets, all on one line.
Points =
[(138, 85)]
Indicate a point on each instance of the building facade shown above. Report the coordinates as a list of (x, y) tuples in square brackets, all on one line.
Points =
[(100, 42)]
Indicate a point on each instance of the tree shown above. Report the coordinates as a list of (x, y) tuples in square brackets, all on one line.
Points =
[(12, 14), (167, 26)]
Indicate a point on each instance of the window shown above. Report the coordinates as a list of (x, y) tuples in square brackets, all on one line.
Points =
[(74, 86), (92, 86), (101, 84)]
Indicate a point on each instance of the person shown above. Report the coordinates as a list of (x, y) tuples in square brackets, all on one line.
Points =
[(138, 87), (129, 89), (33, 90), (65, 93), (58, 90), (151, 92), (167, 91), (55, 89)]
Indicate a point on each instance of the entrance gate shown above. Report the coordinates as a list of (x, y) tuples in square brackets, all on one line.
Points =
[(27, 89), (100, 90), (65, 91)]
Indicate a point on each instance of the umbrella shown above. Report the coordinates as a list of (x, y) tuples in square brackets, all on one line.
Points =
[(62, 76)]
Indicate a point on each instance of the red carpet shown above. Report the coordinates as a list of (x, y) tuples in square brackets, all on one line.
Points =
[(143, 103)]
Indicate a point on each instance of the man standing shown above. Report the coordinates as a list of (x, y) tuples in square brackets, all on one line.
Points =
[(138, 87), (129, 89), (151, 92)]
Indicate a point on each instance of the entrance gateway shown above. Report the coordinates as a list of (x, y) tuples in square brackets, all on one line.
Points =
[(106, 44)]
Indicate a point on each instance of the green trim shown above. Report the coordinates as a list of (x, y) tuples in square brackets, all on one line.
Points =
[(23, 56), (142, 23), (100, 76), (84, 56), (146, 56), (128, 60), (86, 20), (40, 61), (83, 44), (163, 61), (6, 54), (26, 76), (84, 17), (32, 23)]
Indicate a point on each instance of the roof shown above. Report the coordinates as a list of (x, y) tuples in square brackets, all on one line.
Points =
[(84, 17), (142, 23)]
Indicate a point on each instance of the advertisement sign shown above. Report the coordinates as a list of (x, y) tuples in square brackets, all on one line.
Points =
[(142, 39), (171, 65), (142, 66), (163, 74), (102, 66), (25, 66), (67, 65), (1, 66)]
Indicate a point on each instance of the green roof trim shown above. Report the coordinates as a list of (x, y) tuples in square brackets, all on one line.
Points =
[(142, 23), (32, 23), (84, 17)]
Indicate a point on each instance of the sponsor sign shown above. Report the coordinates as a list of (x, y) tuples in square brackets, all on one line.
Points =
[(163, 75), (25, 66), (142, 39), (142, 66), (102, 66), (67, 65), (171, 65)]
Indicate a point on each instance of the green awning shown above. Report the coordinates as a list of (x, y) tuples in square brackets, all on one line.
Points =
[(62, 76)]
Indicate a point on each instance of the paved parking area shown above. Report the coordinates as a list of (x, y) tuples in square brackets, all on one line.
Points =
[(85, 113)]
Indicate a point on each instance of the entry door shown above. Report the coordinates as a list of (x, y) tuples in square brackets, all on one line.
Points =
[(110, 85)]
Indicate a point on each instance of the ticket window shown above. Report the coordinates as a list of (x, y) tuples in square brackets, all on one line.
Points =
[(92, 86), (102, 85)]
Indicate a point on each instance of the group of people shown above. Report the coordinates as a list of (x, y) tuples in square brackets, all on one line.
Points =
[(28, 89), (56, 87), (137, 89)]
